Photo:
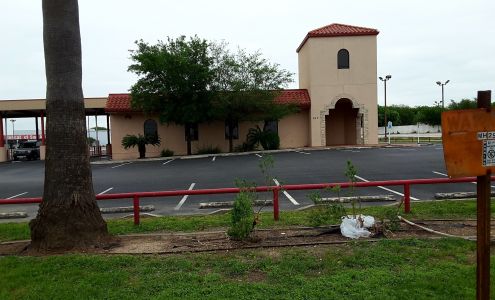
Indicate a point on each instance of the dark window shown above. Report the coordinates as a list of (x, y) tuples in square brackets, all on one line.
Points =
[(235, 130), (271, 126), (150, 128), (192, 129), (343, 59)]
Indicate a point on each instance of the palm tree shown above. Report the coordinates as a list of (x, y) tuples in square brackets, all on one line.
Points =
[(130, 141), (68, 217)]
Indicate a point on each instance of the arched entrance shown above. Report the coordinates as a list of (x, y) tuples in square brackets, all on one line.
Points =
[(342, 124)]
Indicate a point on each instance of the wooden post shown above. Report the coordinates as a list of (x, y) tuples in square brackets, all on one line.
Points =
[(483, 221)]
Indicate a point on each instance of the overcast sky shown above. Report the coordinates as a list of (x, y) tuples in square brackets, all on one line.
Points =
[(420, 42)]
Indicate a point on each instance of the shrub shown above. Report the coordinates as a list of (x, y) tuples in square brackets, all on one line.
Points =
[(166, 153), (209, 149), (244, 147), (270, 141), (324, 214), (242, 217), (131, 141)]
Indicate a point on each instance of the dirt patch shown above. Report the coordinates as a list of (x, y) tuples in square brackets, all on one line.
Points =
[(163, 243)]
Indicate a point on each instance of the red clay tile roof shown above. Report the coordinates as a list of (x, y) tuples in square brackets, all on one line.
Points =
[(121, 103), (300, 97), (336, 29)]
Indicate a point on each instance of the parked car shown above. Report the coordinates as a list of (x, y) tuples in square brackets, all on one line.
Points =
[(28, 150)]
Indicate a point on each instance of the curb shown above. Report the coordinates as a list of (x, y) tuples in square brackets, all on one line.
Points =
[(126, 209), (13, 215), (230, 204), (458, 195), (378, 198), (194, 156)]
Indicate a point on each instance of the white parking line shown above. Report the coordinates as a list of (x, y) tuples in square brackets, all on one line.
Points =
[(443, 174), (386, 189), (184, 198), (286, 194), (353, 151), (168, 161), (301, 152), (105, 191), (258, 155), (213, 159), (127, 163), (15, 196)]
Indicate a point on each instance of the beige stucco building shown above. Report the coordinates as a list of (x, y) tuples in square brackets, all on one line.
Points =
[(337, 97)]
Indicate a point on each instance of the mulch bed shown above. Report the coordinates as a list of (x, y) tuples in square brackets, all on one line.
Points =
[(164, 243)]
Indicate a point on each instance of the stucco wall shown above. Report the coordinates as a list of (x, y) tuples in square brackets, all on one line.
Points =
[(293, 132), (327, 84)]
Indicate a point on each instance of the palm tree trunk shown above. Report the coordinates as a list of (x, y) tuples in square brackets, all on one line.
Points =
[(68, 217)]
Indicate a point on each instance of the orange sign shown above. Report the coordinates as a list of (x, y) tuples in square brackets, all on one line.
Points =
[(468, 142)]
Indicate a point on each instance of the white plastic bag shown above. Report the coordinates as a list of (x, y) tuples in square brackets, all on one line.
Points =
[(352, 228)]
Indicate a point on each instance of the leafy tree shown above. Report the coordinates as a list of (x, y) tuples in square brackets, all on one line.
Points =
[(189, 81), (68, 217), (392, 116), (131, 141), (463, 104), (430, 115), (174, 80), (247, 85)]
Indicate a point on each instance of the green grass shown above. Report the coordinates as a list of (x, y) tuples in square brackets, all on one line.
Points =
[(425, 210), (406, 269)]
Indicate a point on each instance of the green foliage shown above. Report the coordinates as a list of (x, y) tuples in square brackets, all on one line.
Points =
[(270, 140), (166, 153), (463, 104), (267, 139), (387, 269), (324, 214), (429, 115), (208, 149), (350, 173), (188, 81), (242, 216), (174, 79), (131, 141), (244, 147), (421, 210)]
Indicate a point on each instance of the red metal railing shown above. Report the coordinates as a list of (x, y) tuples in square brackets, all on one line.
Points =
[(274, 189)]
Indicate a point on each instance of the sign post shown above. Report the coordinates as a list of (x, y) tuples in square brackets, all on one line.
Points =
[(389, 127), (484, 209), (468, 138)]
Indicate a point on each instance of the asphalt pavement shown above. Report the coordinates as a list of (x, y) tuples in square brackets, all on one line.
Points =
[(25, 178)]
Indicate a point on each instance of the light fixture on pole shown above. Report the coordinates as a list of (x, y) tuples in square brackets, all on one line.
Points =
[(442, 85), (387, 78)]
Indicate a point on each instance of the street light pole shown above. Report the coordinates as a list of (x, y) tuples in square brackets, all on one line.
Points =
[(387, 78), (442, 85)]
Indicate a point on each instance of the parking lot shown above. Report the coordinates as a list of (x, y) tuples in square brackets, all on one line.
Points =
[(25, 178)]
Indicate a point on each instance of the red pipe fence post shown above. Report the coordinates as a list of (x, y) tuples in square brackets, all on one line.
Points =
[(135, 203), (407, 198), (275, 203)]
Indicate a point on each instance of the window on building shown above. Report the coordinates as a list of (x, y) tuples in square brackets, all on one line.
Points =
[(271, 126), (235, 130), (150, 128), (192, 129), (343, 59)]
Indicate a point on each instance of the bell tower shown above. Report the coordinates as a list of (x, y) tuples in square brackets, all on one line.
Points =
[(338, 67)]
